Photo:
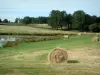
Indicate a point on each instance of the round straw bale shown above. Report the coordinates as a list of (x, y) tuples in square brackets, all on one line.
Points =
[(84, 33), (66, 36), (58, 55), (97, 34), (95, 38), (79, 34)]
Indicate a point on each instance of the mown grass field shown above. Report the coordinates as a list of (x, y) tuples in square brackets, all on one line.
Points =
[(32, 29), (32, 58)]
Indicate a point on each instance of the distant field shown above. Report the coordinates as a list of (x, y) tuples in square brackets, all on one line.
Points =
[(44, 26), (32, 29), (32, 58), (39, 29)]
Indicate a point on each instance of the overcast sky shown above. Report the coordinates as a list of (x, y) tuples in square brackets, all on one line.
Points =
[(11, 9)]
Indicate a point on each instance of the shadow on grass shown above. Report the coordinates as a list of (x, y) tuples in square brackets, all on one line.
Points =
[(72, 61)]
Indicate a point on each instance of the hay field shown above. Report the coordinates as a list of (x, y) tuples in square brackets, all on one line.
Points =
[(32, 58), (31, 29)]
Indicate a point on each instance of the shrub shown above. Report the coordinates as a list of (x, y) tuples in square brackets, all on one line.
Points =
[(11, 43), (36, 39), (94, 27)]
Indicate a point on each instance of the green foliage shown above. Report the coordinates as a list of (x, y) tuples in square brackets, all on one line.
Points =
[(88, 19), (27, 20), (17, 20), (79, 19), (94, 27), (57, 19), (0, 21), (32, 20), (69, 21), (5, 21)]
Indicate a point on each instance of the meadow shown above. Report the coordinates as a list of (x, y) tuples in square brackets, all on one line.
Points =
[(32, 29), (32, 58)]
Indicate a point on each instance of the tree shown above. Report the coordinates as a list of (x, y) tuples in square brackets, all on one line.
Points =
[(27, 20), (98, 20), (57, 19), (62, 19), (0, 21), (20, 20), (93, 19), (95, 27), (33, 20), (87, 22), (39, 20), (5, 21), (79, 19), (69, 21), (53, 22), (17, 20), (42, 20), (88, 19)]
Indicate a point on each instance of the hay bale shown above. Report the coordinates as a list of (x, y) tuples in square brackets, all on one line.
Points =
[(97, 34), (84, 33), (95, 38), (79, 34), (58, 55), (66, 36)]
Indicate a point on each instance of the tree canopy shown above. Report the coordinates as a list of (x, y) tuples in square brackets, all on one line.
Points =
[(0, 21), (79, 19), (57, 19), (27, 20), (5, 21)]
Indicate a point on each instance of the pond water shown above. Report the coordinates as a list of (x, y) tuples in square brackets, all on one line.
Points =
[(16, 38), (12, 38), (4, 40)]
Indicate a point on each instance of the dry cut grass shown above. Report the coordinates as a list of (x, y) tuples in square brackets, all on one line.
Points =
[(5, 29)]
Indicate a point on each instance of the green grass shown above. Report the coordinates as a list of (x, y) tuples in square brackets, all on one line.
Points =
[(32, 58)]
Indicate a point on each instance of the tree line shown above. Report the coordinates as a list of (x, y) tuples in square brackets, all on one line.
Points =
[(78, 20), (4, 21), (32, 20), (57, 19)]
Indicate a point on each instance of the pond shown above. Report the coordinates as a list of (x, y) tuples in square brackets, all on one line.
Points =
[(12, 40), (4, 40)]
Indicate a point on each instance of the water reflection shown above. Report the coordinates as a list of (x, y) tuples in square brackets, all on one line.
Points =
[(5, 40)]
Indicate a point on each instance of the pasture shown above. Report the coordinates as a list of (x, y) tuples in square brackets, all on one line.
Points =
[(32, 58), (32, 29)]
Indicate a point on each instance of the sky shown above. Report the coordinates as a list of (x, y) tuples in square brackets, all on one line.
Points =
[(11, 9)]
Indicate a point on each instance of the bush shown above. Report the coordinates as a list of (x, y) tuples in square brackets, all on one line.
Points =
[(36, 39), (94, 27)]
